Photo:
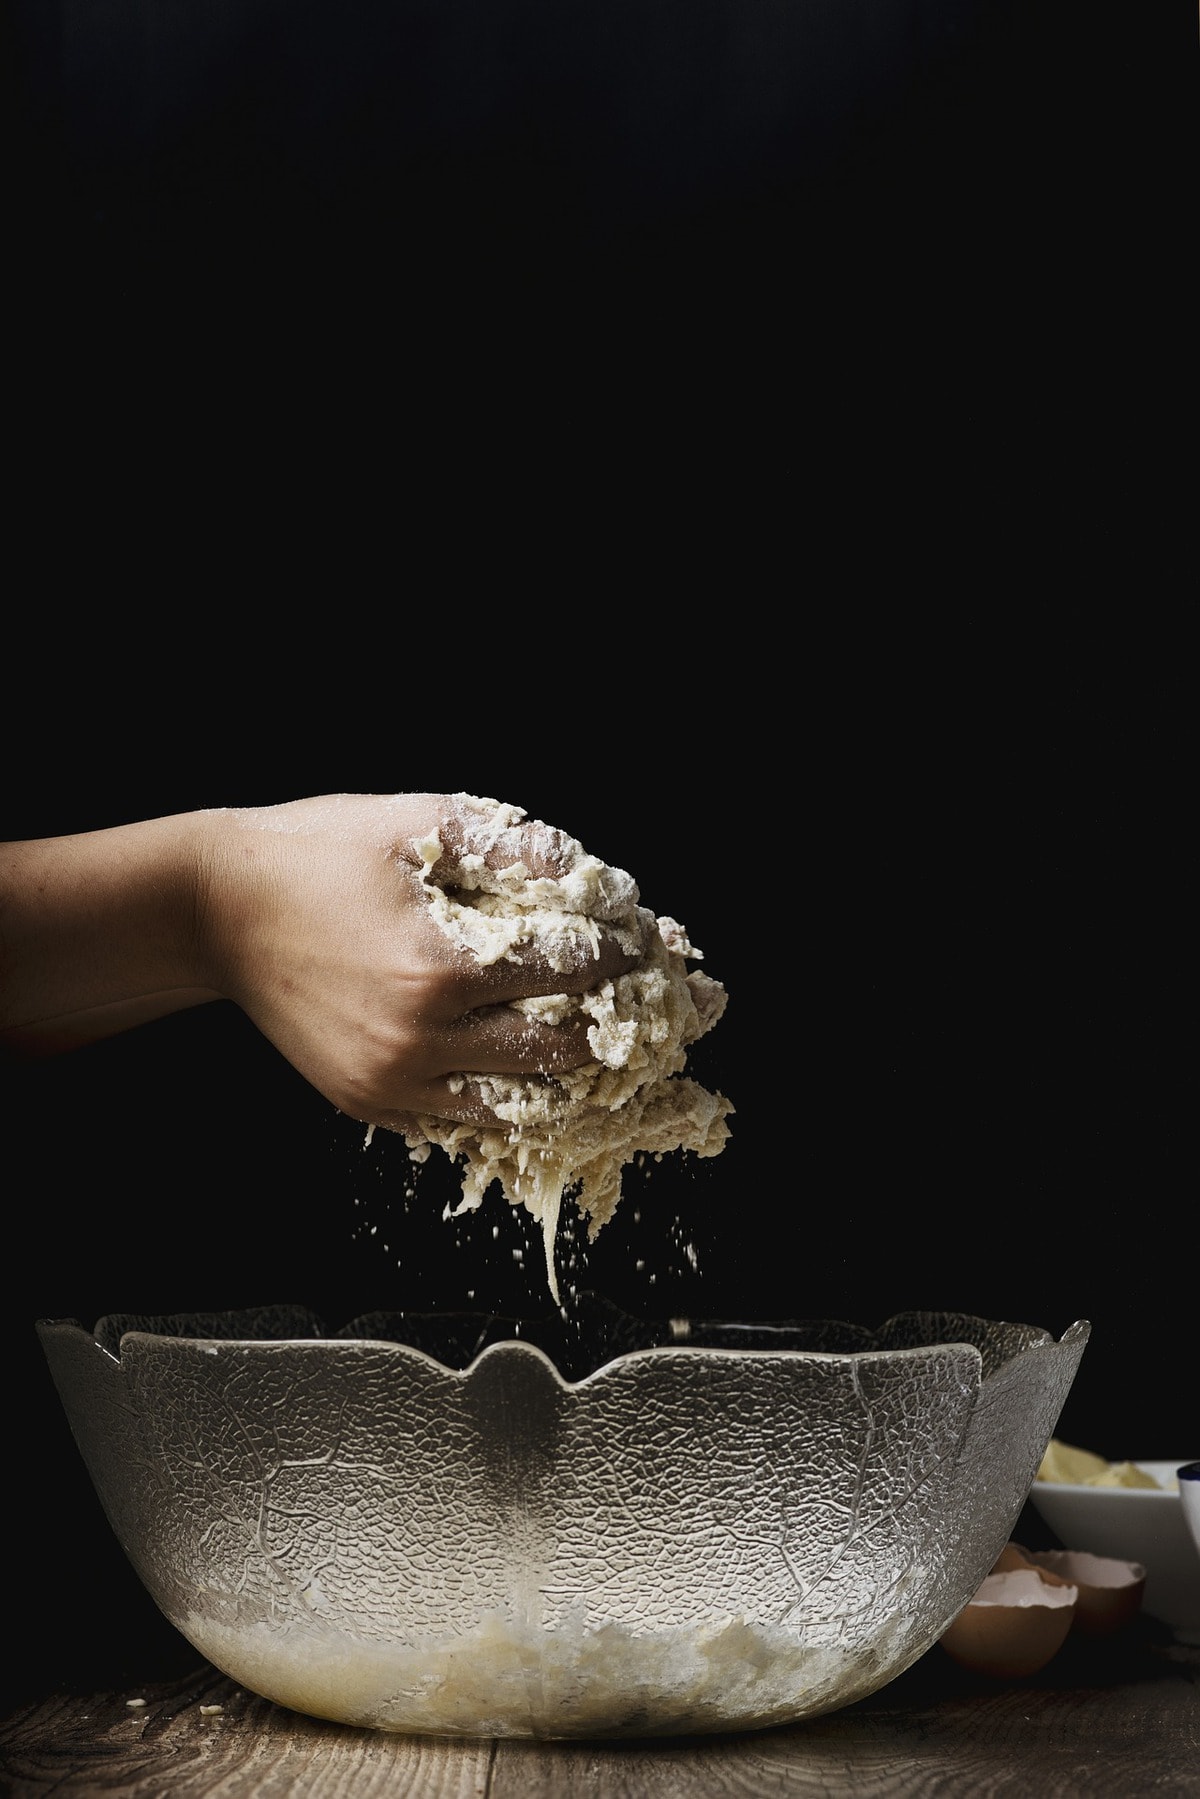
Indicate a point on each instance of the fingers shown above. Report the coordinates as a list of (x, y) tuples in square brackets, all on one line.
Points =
[(512, 922), (501, 1040), (582, 963), (486, 845), (498, 1041), (502, 836), (462, 1099)]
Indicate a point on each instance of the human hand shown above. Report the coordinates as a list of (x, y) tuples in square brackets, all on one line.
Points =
[(318, 918)]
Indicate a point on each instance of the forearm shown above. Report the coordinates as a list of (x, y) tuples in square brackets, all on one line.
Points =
[(315, 918), (99, 932)]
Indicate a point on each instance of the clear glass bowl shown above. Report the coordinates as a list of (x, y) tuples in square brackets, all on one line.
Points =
[(556, 1528)]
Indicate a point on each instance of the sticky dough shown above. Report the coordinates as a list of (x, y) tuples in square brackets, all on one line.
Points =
[(573, 1133)]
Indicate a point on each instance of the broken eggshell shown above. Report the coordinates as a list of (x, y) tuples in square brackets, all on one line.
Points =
[(1017, 1622), (1110, 1591)]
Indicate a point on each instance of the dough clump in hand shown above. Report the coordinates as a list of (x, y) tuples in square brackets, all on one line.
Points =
[(574, 1133)]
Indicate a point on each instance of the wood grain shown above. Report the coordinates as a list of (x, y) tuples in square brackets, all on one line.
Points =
[(1114, 1721)]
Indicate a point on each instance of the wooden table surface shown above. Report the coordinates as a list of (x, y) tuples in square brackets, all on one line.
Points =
[(1119, 1719)]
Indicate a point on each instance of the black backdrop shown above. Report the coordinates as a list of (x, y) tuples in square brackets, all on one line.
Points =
[(950, 936), (757, 543)]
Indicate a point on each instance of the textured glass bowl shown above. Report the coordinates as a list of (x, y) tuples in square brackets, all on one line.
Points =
[(474, 1526)]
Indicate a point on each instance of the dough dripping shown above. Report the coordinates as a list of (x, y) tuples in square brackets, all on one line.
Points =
[(575, 1132)]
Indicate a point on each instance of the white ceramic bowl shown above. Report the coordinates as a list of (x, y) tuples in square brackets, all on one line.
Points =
[(1134, 1524)]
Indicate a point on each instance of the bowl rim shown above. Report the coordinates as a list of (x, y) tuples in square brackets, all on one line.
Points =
[(992, 1345)]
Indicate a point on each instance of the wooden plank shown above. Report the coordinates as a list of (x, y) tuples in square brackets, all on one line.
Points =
[(205, 1735), (1101, 1722)]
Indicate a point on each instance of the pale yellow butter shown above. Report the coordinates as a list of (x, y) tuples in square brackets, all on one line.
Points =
[(1123, 1474), (1068, 1466)]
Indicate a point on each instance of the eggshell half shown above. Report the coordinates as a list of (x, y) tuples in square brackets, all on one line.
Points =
[(1012, 1556), (1015, 1624), (1110, 1591)]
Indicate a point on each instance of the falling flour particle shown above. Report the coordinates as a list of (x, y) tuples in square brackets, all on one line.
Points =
[(573, 1133)]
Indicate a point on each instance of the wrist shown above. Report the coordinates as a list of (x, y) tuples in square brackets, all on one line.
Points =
[(98, 926)]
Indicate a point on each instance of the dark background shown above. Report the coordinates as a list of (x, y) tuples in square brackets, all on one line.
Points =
[(787, 510), (450, 169), (951, 930), (954, 229)]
